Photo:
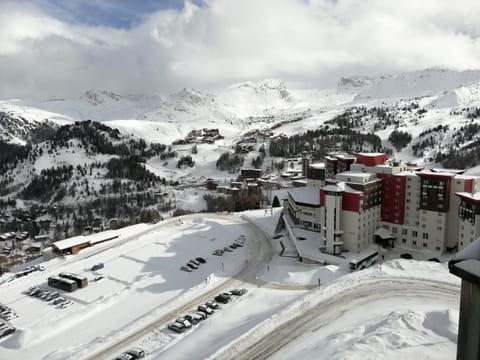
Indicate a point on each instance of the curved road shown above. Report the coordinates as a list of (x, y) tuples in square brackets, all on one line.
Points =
[(260, 251), (262, 342)]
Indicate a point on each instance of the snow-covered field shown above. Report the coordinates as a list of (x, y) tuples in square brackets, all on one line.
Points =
[(142, 280), (392, 310)]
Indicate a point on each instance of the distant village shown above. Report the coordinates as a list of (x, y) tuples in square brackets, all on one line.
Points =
[(202, 136)]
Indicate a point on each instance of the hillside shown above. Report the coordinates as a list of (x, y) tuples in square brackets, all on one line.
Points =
[(103, 149)]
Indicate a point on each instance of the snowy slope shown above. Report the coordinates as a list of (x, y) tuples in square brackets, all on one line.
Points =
[(419, 83), (269, 105), (463, 96)]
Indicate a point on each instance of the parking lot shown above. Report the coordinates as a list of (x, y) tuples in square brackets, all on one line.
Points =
[(139, 279)]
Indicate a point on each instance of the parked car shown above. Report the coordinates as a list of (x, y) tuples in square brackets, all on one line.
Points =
[(192, 266), (218, 252), (124, 356), (10, 316), (238, 244), (193, 318), (100, 277), (5, 313), (212, 304), (136, 353), (406, 256), (31, 290), (222, 299), (233, 246), (176, 327), (205, 309), (7, 331), (201, 314), (98, 266), (66, 304), (45, 294), (193, 261), (184, 322), (59, 300), (38, 292), (185, 268), (52, 296), (226, 248), (201, 260), (239, 292)]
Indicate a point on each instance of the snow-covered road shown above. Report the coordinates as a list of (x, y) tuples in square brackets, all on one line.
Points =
[(260, 253), (322, 307)]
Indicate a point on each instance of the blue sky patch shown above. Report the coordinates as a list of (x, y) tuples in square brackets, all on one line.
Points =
[(121, 14)]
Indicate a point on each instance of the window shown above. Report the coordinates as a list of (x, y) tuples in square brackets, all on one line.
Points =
[(404, 231), (394, 230), (437, 248), (425, 236), (414, 242), (424, 245), (404, 241), (414, 233)]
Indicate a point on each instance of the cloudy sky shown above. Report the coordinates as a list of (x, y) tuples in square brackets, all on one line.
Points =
[(62, 48)]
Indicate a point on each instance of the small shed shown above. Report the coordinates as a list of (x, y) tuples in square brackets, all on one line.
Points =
[(384, 237)]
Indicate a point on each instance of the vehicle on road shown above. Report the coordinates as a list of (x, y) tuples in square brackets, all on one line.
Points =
[(406, 256), (176, 327), (363, 261)]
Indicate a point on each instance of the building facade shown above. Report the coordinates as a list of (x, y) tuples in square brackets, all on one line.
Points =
[(433, 209)]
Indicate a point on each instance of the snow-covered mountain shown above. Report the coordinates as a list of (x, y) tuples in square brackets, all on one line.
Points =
[(413, 102), (429, 82), (355, 84), (256, 98), (463, 96)]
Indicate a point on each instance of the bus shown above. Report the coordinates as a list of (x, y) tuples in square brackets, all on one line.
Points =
[(363, 261)]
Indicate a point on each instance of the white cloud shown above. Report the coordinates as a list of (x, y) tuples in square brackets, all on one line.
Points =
[(227, 41)]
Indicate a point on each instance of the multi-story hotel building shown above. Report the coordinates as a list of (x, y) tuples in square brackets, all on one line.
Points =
[(434, 209)]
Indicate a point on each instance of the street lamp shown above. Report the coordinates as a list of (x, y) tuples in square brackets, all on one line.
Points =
[(466, 265)]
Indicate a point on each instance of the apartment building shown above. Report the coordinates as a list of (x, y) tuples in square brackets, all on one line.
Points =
[(434, 209)]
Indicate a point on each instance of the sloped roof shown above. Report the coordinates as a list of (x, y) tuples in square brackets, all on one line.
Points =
[(306, 195)]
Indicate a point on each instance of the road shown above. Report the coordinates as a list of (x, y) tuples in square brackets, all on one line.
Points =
[(260, 251), (262, 343)]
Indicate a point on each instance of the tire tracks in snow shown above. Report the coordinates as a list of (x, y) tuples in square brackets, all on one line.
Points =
[(309, 314)]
